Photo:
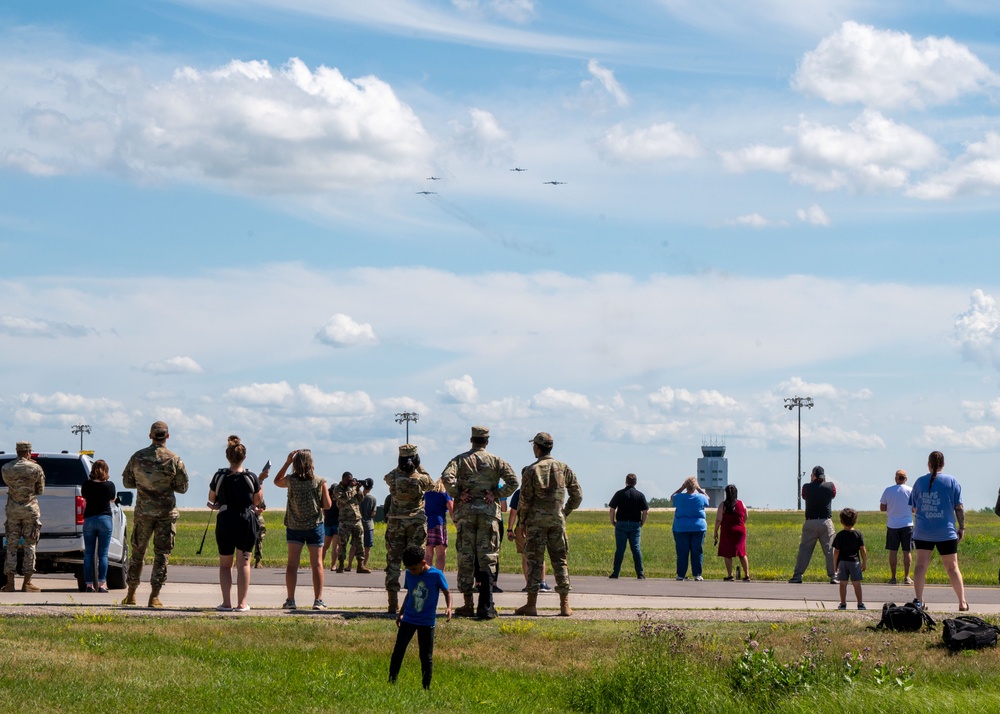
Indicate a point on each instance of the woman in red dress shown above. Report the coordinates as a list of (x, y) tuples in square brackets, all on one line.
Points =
[(731, 518)]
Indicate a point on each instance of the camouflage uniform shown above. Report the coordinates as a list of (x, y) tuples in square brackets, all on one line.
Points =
[(406, 522), (25, 480), (544, 485), (348, 500), (156, 473), (471, 476)]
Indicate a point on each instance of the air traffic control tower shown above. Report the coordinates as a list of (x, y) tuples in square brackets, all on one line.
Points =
[(713, 470)]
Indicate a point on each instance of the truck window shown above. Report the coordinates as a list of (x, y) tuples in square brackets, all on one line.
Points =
[(58, 472)]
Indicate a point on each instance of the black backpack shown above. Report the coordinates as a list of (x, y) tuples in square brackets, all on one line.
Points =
[(908, 617), (968, 632)]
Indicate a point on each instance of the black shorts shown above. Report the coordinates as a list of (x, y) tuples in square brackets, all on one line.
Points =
[(896, 538), (944, 547), (236, 531)]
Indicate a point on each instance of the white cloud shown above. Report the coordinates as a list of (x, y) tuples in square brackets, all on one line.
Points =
[(754, 220), (629, 432), (461, 391), (315, 401), (983, 437), (837, 436), (657, 142), (261, 395), (559, 399), (18, 326), (173, 365), (980, 411), (604, 78), (883, 68), (403, 404), (796, 386), (873, 154), (977, 330), (814, 215), (738, 16), (195, 427), (671, 399), (519, 11), (975, 172), (342, 331), (482, 139), (244, 126)]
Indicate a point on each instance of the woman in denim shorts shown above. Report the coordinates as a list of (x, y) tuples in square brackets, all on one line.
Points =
[(308, 496)]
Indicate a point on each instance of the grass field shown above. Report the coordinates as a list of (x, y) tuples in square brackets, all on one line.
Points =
[(772, 543), (109, 662)]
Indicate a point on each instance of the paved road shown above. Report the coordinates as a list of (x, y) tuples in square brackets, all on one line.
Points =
[(197, 587)]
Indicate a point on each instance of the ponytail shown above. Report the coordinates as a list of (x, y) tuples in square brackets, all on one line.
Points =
[(935, 462)]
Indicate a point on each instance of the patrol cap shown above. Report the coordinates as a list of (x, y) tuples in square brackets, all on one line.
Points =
[(543, 438), (480, 432), (23, 446), (408, 450), (159, 430)]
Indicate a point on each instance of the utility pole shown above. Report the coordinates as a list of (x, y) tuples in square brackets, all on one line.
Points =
[(81, 429), (797, 403), (406, 417)]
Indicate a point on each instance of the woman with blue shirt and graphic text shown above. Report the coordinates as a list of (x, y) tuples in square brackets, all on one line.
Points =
[(689, 527), (938, 522)]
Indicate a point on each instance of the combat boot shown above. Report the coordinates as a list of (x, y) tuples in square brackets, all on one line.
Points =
[(486, 611), (9, 585), (528, 609), (564, 609), (393, 602), (340, 566), (27, 587), (468, 609), (362, 568), (154, 599), (129, 597)]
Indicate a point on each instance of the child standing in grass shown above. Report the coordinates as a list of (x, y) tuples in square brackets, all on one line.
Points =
[(850, 557), (419, 612)]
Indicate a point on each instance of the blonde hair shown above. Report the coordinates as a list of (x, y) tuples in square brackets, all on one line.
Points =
[(236, 453), (690, 484), (439, 486)]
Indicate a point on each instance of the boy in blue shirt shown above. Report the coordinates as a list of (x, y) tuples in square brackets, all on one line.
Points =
[(419, 612)]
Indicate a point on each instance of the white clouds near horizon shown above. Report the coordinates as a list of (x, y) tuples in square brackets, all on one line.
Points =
[(342, 331)]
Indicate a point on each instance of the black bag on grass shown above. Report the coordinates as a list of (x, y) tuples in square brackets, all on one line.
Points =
[(908, 617), (968, 632)]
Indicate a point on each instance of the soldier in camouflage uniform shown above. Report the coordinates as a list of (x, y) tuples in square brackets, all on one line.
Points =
[(544, 486), (25, 480), (348, 497), (473, 479), (406, 522), (157, 474)]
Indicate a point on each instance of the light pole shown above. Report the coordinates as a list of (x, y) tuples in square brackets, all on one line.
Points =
[(406, 417), (798, 403), (81, 429)]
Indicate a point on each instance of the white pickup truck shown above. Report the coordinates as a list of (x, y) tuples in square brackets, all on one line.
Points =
[(60, 547)]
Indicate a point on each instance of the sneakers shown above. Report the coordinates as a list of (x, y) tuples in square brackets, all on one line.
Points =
[(242, 608), (613, 576), (319, 605), (545, 587), (917, 603), (861, 606), (842, 606), (834, 581), (796, 580), (698, 578), (640, 577), (907, 580), (289, 604), (892, 581), (680, 577), (497, 588)]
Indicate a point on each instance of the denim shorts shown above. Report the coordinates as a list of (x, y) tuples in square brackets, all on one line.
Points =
[(331, 531), (309, 536)]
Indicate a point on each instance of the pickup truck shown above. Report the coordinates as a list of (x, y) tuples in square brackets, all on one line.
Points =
[(60, 547)]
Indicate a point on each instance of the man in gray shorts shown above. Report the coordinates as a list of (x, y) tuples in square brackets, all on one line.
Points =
[(899, 525)]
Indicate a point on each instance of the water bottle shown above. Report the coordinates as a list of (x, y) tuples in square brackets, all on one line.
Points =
[(738, 573)]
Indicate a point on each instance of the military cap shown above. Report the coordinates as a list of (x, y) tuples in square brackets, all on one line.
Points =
[(481, 432), (23, 446), (159, 430), (408, 450), (543, 438)]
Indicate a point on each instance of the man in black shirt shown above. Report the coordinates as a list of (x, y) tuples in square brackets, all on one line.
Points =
[(628, 514), (818, 495)]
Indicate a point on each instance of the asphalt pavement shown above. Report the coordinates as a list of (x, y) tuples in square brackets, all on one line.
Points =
[(196, 587)]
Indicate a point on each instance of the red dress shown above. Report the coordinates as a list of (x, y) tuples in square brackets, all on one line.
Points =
[(733, 532)]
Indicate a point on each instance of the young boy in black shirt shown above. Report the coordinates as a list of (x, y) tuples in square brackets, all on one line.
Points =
[(850, 557)]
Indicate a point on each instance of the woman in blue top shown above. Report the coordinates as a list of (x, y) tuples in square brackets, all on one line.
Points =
[(690, 525), (938, 522)]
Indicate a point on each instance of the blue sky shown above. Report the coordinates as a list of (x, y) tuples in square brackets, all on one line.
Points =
[(210, 214)]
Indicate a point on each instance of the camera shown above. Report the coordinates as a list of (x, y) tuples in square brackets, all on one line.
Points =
[(364, 483)]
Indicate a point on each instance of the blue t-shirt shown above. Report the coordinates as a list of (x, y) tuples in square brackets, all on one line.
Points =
[(689, 512), (934, 514), (421, 603), (436, 507)]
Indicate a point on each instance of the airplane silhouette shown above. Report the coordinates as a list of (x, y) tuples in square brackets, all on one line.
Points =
[(554, 183), (433, 178), (427, 193), (518, 168)]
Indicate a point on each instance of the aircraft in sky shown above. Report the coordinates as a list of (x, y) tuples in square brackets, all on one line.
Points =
[(554, 183), (433, 178), (518, 168), (427, 193)]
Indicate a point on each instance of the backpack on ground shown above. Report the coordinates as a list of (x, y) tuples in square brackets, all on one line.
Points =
[(908, 617), (968, 632)]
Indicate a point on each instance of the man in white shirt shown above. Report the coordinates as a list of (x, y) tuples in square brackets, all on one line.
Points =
[(899, 525)]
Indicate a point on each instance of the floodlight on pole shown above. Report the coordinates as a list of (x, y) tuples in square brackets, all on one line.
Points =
[(81, 429), (797, 403), (406, 418)]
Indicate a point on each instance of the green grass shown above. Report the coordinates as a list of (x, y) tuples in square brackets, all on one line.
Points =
[(772, 543), (313, 664)]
